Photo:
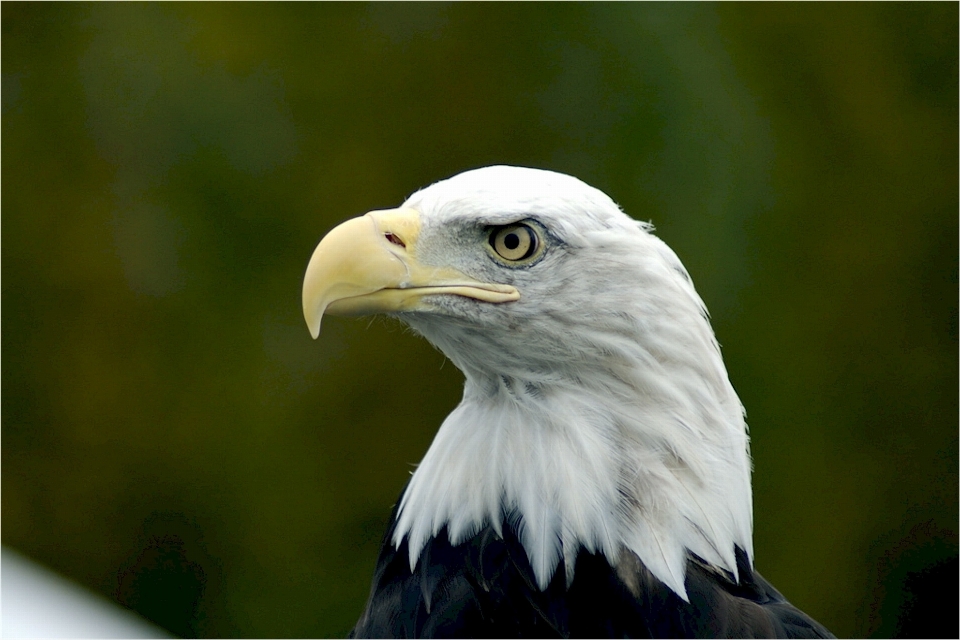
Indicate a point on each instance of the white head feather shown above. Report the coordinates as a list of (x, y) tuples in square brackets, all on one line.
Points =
[(597, 406)]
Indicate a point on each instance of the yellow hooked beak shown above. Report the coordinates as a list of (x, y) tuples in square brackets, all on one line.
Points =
[(369, 265)]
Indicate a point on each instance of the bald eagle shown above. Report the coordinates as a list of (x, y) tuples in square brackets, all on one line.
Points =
[(595, 479)]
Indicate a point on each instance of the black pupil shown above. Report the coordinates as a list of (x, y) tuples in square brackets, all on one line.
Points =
[(511, 241)]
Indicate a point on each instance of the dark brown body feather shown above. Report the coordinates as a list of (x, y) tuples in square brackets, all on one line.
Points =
[(484, 587)]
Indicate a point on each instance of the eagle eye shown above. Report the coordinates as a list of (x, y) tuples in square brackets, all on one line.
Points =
[(515, 242)]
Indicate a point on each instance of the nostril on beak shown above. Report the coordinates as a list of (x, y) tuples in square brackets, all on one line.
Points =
[(395, 239)]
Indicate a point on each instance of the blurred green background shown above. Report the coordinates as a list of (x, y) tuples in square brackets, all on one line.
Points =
[(173, 438)]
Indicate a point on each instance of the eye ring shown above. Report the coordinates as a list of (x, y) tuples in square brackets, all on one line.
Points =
[(515, 242)]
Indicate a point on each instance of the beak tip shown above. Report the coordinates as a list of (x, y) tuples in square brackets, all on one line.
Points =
[(313, 322), (313, 326)]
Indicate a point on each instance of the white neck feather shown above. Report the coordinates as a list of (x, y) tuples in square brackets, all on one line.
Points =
[(648, 461)]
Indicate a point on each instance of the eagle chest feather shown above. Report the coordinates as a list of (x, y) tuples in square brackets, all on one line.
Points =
[(484, 587)]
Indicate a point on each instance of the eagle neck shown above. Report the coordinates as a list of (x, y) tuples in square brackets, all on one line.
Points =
[(578, 470)]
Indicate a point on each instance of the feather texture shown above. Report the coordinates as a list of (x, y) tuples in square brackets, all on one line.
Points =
[(485, 587), (597, 406)]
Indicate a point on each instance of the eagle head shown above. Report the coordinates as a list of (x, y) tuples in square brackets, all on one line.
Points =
[(597, 410)]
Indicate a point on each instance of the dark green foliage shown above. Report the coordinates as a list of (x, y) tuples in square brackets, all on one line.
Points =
[(173, 438)]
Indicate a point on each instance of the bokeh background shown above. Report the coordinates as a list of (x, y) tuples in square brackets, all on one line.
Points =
[(172, 438)]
